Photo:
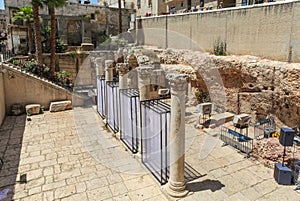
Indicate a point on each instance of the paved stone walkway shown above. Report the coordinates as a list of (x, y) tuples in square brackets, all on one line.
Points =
[(71, 156), (59, 164)]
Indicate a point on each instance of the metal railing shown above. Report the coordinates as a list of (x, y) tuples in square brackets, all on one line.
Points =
[(5, 55), (237, 140), (264, 128), (155, 132), (112, 98), (130, 118), (101, 96)]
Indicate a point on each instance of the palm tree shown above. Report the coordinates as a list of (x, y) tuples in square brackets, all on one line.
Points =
[(52, 4), (25, 14), (36, 4)]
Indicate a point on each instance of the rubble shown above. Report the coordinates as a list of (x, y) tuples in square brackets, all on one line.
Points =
[(250, 84), (270, 150)]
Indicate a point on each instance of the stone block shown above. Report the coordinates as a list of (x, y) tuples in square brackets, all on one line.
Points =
[(60, 106), (33, 109)]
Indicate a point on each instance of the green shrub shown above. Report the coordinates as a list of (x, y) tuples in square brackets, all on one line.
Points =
[(220, 48), (63, 78), (60, 46), (202, 97)]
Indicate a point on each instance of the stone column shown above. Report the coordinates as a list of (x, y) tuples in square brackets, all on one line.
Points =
[(109, 76), (99, 67), (132, 74), (109, 70), (144, 75), (123, 70), (176, 186)]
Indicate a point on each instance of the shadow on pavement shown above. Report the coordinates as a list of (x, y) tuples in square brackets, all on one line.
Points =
[(190, 173), (207, 184), (11, 137)]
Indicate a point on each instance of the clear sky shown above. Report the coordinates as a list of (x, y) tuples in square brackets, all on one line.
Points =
[(2, 4)]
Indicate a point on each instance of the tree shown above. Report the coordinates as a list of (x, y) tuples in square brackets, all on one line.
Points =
[(52, 4), (25, 14), (36, 4)]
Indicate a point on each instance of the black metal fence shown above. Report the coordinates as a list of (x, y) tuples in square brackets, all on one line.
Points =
[(237, 140), (130, 121), (101, 96), (6, 54), (112, 93), (155, 123), (264, 128)]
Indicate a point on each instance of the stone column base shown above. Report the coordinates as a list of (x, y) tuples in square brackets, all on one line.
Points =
[(176, 189)]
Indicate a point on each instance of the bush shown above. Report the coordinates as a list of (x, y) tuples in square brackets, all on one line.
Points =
[(60, 46), (62, 78), (202, 97), (220, 48)]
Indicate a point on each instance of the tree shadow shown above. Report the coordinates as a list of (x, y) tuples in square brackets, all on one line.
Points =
[(11, 138), (207, 184)]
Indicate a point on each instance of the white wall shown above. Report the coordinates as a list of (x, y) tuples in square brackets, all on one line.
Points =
[(269, 30)]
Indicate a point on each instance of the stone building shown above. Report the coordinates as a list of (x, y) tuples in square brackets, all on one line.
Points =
[(76, 24)]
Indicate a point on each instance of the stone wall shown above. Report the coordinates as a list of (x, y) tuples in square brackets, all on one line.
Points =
[(25, 89), (69, 62), (2, 99), (251, 85), (269, 30), (76, 23)]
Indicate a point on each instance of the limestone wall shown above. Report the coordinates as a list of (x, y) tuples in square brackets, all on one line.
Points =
[(2, 99), (76, 23), (25, 89), (269, 30), (250, 84), (68, 62)]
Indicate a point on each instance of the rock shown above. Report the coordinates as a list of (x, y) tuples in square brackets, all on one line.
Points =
[(32, 109), (17, 109), (60, 106)]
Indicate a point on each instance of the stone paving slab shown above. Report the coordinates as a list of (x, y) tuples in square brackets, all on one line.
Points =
[(70, 155)]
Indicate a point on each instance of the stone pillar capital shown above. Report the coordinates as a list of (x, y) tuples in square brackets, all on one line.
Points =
[(178, 82), (122, 68), (158, 72), (109, 64), (144, 72)]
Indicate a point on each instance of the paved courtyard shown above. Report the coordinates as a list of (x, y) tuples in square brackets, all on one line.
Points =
[(71, 156)]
